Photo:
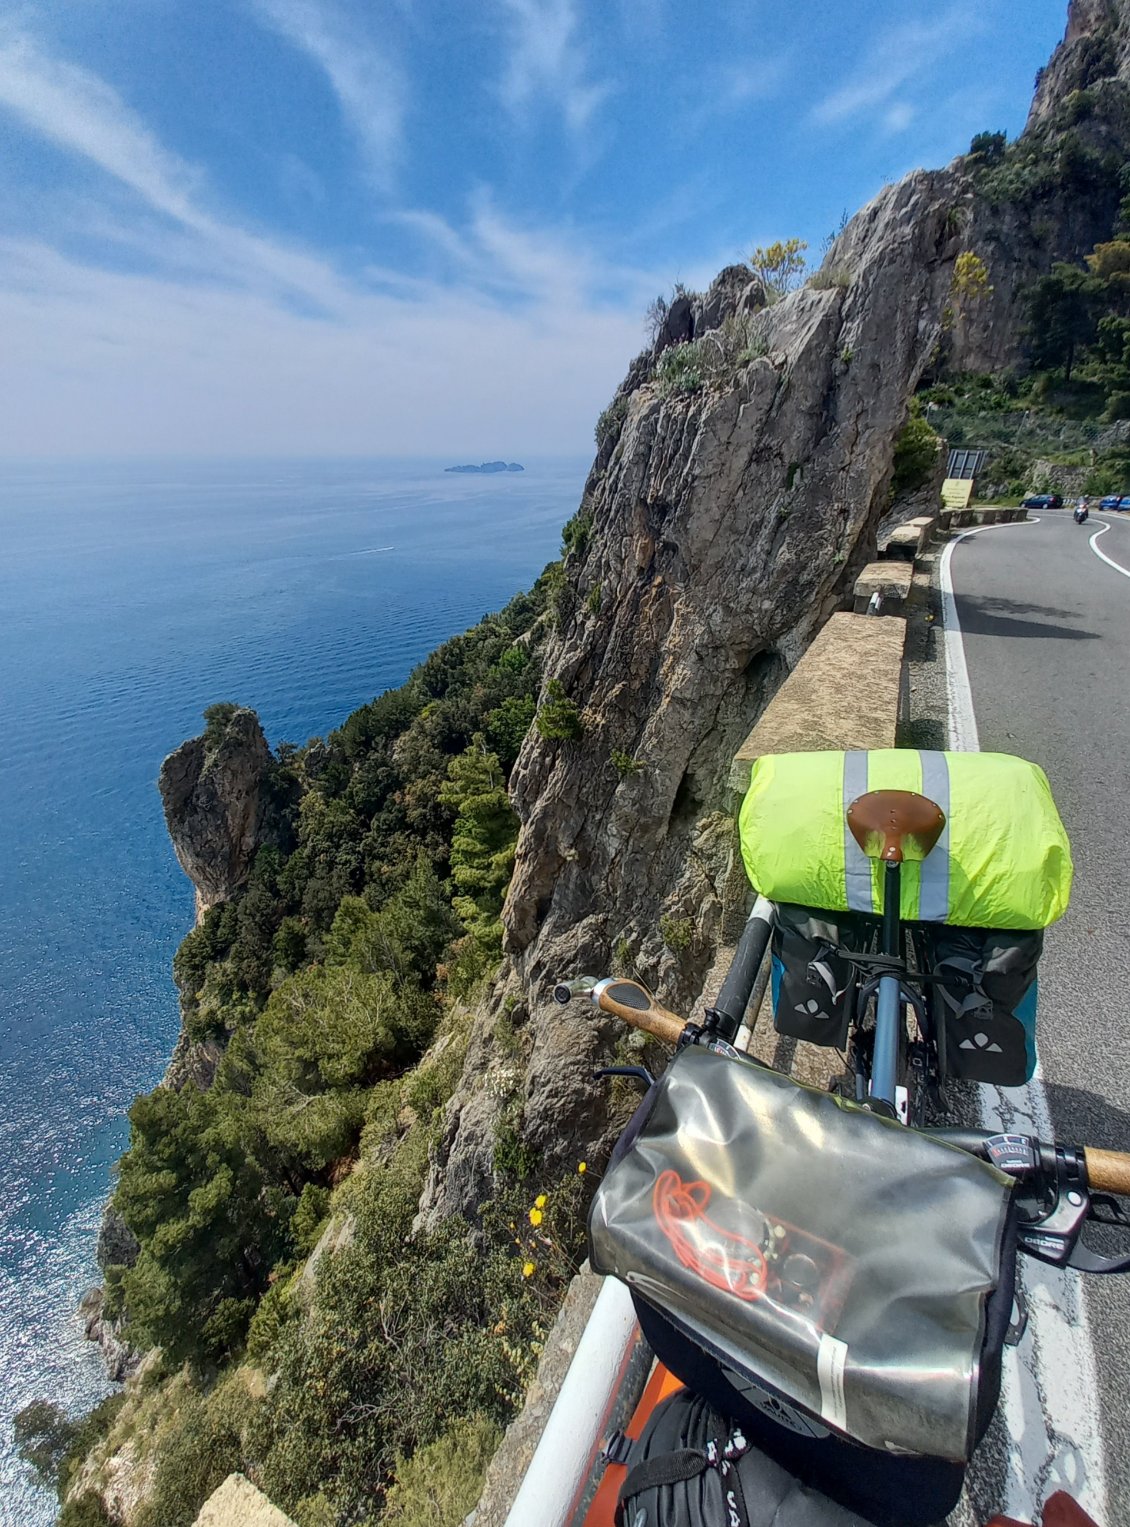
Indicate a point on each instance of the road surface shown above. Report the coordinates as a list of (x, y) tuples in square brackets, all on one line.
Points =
[(1045, 626)]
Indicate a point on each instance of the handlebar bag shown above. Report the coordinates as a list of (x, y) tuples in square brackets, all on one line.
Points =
[(829, 1256), (1003, 860)]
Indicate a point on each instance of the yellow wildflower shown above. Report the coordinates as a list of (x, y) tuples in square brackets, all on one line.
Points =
[(529, 1269), (582, 1167), (540, 1201), (535, 1217)]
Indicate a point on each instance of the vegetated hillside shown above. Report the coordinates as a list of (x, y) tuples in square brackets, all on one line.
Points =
[(347, 1220)]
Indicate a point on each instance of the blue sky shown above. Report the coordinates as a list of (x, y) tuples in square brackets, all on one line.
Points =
[(243, 227)]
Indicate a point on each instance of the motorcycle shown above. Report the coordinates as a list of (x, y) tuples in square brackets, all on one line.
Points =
[(1081, 513)]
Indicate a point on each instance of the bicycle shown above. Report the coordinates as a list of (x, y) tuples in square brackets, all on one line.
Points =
[(894, 1068)]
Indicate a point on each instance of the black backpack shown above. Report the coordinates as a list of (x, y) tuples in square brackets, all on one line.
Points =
[(693, 1468)]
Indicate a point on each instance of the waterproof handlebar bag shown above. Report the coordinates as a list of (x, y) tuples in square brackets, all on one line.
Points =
[(1002, 861), (834, 1258)]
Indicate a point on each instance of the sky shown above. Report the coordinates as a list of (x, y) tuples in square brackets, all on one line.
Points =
[(401, 227)]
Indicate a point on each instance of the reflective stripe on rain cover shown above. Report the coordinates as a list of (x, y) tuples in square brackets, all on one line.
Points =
[(1003, 861)]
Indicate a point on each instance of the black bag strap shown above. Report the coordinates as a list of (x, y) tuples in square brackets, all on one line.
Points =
[(663, 1469), (677, 1468)]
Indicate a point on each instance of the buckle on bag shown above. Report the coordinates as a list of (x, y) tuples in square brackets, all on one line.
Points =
[(617, 1448)]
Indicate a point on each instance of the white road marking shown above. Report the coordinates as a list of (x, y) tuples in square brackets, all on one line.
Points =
[(1110, 562), (1049, 1384)]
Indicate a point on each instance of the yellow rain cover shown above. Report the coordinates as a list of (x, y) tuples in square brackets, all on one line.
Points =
[(1003, 860)]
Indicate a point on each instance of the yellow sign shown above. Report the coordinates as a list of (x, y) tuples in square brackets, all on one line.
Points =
[(956, 492)]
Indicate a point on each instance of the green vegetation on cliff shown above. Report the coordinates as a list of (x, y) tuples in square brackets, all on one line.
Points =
[(316, 991)]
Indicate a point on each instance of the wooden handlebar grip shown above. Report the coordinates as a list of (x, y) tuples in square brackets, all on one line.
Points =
[(1107, 1171), (635, 1005)]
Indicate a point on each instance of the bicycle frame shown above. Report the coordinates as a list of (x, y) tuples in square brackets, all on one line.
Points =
[(888, 1007)]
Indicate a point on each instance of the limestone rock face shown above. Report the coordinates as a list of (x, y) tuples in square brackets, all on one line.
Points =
[(726, 526), (217, 806), (1095, 46), (727, 523)]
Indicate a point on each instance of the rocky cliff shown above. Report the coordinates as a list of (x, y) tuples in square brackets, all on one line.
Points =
[(727, 513)]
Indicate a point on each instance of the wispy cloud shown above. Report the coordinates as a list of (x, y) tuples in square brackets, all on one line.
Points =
[(369, 86), (82, 114), (548, 60), (219, 338), (79, 112), (893, 60)]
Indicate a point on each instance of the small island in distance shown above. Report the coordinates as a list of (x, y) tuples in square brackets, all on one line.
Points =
[(490, 466)]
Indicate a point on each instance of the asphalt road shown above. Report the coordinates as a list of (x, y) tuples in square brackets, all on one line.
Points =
[(1046, 628)]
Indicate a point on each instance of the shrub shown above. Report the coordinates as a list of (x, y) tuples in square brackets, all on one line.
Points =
[(988, 148), (558, 719), (677, 933), (780, 266), (216, 720), (86, 1511), (680, 371), (611, 421), (915, 454), (441, 1482), (575, 534), (625, 764)]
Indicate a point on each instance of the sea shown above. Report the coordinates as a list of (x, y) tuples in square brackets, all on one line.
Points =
[(132, 595)]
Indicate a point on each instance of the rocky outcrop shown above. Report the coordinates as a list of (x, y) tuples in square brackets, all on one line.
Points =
[(1095, 48), (219, 806), (120, 1358)]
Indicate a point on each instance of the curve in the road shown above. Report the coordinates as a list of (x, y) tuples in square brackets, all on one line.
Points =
[(1110, 562)]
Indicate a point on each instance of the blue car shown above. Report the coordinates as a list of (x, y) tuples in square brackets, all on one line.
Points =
[(1123, 503), (1112, 501)]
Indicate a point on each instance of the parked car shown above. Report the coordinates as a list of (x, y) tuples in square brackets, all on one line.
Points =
[(1043, 501), (1123, 503), (1112, 501)]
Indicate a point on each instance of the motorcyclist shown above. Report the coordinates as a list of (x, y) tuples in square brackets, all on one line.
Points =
[(1082, 509)]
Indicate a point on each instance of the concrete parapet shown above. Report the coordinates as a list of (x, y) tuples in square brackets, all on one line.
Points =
[(989, 514), (237, 1503), (890, 580), (909, 540), (844, 693)]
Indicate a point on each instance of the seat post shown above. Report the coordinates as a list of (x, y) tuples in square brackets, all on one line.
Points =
[(892, 898)]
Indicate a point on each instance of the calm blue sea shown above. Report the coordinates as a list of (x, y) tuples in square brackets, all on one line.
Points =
[(131, 596)]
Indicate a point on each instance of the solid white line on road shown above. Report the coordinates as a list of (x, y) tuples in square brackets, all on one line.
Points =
[(1049, 1384), (1125, 571), (962, 722)]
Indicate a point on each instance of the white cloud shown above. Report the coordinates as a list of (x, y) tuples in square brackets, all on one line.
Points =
[(548, 61), (895, 58), (369, 87), (79, 112)]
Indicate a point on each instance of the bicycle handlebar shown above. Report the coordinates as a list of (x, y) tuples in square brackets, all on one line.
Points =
[(1107, 1171)]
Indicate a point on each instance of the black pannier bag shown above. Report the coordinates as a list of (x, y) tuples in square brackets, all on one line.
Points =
[(693, 1468), (839, 1284), (983, 1000), (982, 994), (814, 987)]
